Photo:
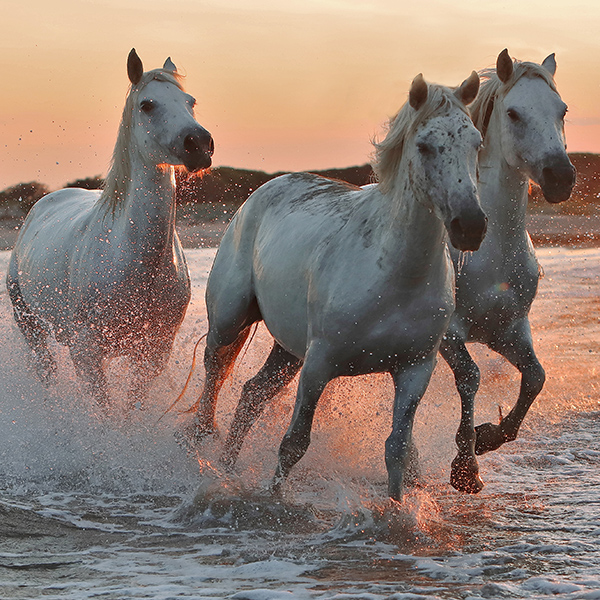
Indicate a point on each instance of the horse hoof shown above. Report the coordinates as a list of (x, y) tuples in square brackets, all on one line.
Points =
[(464, 475), (488, 437)]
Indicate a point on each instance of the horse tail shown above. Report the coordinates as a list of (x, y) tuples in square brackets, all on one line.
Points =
[(187, 381)]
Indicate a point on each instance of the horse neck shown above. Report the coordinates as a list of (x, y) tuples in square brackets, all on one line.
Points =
[(413, 238), (145, 217), (503, 192)]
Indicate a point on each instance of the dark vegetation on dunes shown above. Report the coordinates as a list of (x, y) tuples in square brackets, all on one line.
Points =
[(213, 198)]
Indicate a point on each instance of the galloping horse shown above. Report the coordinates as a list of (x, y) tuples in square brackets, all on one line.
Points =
[(348, 281), (105, 270), (520, 115)]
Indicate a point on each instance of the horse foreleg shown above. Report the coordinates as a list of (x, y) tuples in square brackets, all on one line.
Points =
[(279, 369), (516, 346), (147, 364), (464, 473), (218, 364), (314, 377), (410, 384), (88, 360)]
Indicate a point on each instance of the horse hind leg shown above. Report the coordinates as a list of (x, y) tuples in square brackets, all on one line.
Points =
[(464, 473), (218, 363), (279, 369), (516, 346), (34, 329)]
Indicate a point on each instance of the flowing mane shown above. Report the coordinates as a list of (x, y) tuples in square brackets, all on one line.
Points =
[(492, 87), (389, 152), (119, 175)]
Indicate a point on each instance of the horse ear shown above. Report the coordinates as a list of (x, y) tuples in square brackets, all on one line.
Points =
[(504, 66), (170, 65), (468, 89), (418, 92), (550, 64), (135, 69)]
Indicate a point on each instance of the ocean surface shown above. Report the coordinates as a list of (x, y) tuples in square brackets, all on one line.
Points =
[(114, 508)]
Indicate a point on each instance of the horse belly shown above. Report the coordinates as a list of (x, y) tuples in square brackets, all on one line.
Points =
[(282, 296), (43, 252)]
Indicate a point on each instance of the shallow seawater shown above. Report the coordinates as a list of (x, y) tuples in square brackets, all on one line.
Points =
[(113, 508)]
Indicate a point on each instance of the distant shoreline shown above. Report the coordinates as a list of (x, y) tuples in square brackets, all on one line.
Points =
[(545, 230)]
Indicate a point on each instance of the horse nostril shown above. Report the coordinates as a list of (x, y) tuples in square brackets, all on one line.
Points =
[(467, 232), (549, 176), (198, 148), (194, 144), (559, 175), (557, 181), (190, 144)]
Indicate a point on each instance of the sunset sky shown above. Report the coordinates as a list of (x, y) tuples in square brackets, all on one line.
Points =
[(281, 85)]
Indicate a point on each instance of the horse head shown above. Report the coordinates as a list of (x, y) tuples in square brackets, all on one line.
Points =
[(443, 161), (530, 114), (162, 118)]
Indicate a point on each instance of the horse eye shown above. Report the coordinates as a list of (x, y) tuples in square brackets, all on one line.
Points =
[(513, 115), (146, 106)]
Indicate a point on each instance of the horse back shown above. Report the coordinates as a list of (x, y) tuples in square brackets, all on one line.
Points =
[(270, 251)]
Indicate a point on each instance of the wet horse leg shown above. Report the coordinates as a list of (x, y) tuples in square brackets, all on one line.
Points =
[(88, 359), (314, 376), (516, 345), (464, 475), (147, 363), (218, 364), (34, 329), (410, 384), (279, 369)]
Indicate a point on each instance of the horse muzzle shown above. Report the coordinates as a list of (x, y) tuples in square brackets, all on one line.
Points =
[(466, 232), (557, 180), (198, 148)]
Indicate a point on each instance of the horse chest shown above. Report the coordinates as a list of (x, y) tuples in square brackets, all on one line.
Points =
[(388, 332), (123, 308)]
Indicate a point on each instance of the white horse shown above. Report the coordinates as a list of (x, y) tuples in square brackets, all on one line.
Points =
[(348, 281), (520, 115), (105, 270)]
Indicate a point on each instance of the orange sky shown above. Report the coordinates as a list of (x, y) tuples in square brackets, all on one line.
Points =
[(294, 85)]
